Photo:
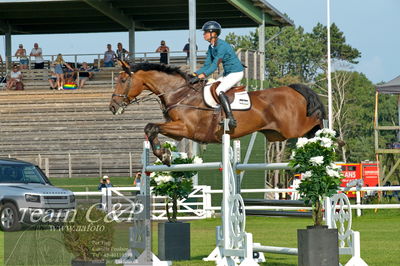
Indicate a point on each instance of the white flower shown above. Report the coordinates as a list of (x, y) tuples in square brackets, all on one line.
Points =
[(152, 174), (292, 155), (307, 174), (176, 155), (197, 160), (326, 142), (331, 172), (313, 140), (163, 179), (301, 142), (326, 132), (317, 160), (335, 167)]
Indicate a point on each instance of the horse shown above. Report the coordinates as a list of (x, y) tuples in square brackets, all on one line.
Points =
[(279, 113)]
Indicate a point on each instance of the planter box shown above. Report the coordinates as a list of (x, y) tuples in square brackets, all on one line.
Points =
[(88, 263), (318, 246), (174, 241)]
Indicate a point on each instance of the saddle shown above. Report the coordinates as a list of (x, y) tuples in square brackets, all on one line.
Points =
[(237, 96)]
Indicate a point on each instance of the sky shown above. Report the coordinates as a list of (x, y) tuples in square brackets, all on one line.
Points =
[(368, 25)]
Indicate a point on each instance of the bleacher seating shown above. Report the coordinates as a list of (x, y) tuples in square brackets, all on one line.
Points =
[(73, 129)]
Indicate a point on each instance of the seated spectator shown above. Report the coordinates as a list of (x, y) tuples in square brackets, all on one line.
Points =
[(85, 73), (58, 67), (109, 57), (37, 53), (52, 78), (23, 59), (15, 79), (122, 53), (1, 59)]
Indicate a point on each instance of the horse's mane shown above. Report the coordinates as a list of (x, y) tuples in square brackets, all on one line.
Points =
[(171, 70), (314, 104)]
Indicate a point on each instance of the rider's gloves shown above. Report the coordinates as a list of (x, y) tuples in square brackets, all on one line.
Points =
[(194, 80)]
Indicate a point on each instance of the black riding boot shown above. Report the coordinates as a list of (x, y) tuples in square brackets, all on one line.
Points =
[(227, 108)]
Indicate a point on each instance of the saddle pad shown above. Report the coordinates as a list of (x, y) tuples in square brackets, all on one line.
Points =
[(240, 102)]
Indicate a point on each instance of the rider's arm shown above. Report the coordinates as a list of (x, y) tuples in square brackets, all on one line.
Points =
[(207, 63), (213, 65)]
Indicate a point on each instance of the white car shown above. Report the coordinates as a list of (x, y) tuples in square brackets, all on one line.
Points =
[(27, 196)]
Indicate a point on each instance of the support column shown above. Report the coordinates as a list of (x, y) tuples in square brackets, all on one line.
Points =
[(8, 58), (193, 65), (261, 49), (132, 41)]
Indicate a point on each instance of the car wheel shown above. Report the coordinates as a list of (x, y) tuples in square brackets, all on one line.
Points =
[(9, 218)]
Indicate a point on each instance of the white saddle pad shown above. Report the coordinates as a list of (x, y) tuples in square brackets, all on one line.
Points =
[(241, 101)]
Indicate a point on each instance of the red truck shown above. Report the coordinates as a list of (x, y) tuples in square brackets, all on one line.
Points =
[(367, 171)]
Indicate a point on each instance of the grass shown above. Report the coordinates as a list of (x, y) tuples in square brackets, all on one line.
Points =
[(379, 240)]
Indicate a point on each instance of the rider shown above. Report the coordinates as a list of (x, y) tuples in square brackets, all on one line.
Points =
[(218, 52)]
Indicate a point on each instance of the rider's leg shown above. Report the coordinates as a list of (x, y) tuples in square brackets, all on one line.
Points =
[(227, 108), (226, 83)]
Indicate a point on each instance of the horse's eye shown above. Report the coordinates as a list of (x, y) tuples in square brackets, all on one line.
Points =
[(123, 80)]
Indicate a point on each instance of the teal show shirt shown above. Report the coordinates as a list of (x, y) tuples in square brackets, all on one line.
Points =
[(223, 53)]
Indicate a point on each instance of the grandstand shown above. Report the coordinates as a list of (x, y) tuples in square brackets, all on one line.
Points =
[(72, 133)]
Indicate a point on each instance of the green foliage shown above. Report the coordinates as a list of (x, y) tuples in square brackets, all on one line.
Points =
[(89, 236), (314, 159), (174, 185), (297, 53)]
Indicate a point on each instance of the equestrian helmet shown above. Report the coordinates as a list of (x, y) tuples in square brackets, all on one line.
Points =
[(212, 26)]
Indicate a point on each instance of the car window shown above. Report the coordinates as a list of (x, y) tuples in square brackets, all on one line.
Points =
[(20, 174)]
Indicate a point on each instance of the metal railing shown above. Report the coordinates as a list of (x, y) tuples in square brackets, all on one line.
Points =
[(199, 204), (174, 57)]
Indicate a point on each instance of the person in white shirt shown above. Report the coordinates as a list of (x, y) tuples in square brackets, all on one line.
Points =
[(15, 77), (37, 53)]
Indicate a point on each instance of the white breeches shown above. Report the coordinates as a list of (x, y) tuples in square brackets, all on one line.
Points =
[(229, 81)]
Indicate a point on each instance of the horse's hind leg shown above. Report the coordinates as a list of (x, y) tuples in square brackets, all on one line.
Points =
[(152, 131)]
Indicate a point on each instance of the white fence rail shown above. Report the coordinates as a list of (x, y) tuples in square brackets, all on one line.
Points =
[(199, 204)]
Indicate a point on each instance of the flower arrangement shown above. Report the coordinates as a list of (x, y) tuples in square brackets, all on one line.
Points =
[(314, 158), (174, 185)]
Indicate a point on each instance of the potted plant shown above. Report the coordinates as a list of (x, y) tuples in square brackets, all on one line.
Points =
[(314, 158), (174, 236), (88, 236)]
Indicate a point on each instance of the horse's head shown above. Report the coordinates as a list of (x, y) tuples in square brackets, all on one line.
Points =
[(127, 87)]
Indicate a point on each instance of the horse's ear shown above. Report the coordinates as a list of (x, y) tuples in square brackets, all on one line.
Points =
[(125, 66)]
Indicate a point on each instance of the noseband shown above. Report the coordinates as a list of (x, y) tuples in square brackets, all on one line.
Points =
[(124, 95)]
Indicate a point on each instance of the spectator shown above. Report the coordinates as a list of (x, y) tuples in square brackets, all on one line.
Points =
[(37, 53), (138, 178), (136, 182), (121, 52), (1, 59), (58, 67), (84, 75), (52, 78), (15, 79), (109, 56), (163, 50), (104, 182), (186, 49), (23, 59)]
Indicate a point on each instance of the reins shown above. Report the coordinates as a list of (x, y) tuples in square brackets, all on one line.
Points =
[(165, 109)]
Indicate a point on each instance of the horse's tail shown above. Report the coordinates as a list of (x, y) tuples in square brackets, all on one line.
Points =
[(314, 104)]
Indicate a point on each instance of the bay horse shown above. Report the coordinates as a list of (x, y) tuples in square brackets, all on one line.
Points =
[(279, 113)]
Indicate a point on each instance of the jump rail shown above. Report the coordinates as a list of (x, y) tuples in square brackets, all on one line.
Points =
[(234, 245)]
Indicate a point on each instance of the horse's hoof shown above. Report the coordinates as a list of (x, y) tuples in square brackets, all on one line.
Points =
[(166, 157)]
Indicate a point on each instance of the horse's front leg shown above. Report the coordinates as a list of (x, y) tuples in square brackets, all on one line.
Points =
[(175, 129), (152, 131)]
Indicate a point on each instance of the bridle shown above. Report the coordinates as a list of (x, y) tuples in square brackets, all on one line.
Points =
[(148, 97)]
